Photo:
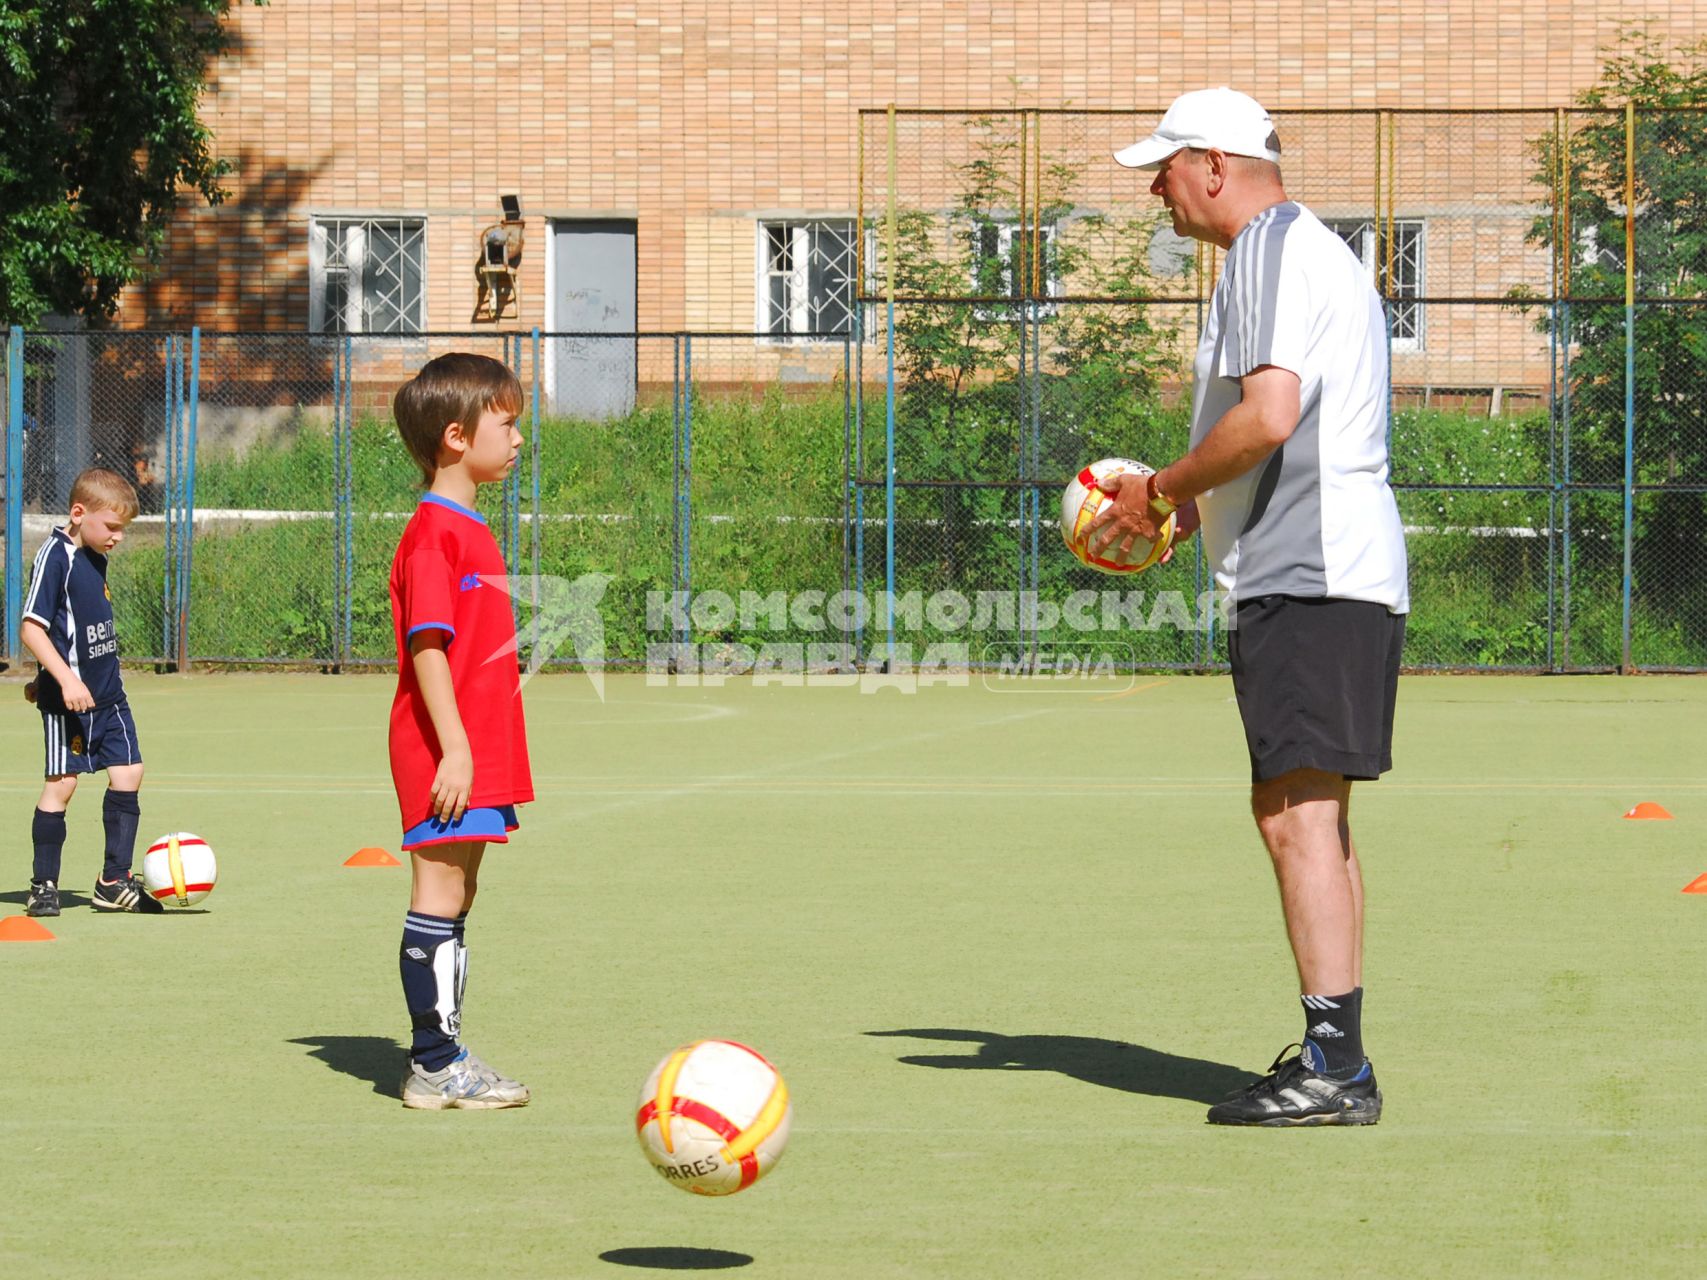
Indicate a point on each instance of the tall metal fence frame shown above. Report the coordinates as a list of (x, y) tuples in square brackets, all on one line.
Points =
[(523, 351), (1030, 297), (853, 542)]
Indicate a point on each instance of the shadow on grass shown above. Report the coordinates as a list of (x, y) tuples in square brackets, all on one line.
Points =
[(67, 898), (676, 1258), (1111, 1064), (376, 1060)]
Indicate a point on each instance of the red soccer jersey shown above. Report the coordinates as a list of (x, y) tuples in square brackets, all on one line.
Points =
[(438, 581)]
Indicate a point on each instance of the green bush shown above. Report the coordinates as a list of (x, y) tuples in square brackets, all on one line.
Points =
[(767, 500)]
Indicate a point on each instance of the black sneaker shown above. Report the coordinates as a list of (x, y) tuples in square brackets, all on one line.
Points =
[(43, 899), (124, 895), (1292, 1094)]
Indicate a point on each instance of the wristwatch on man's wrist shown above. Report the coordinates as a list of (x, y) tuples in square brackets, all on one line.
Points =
[(1160, 503)]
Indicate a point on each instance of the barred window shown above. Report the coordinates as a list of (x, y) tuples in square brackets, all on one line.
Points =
[(1407, 279), (366, 275), (806, 278)]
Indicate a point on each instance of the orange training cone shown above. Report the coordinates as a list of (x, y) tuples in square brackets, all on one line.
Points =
[(1647, 809), (371, 858), (1697, 885), (23, 929)]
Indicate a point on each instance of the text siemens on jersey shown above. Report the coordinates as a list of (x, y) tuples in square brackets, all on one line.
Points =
[(100, 639)]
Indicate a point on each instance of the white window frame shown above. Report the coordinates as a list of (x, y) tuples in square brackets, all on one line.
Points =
[(1364, 228), (1005, 233), (798, 278), (355, 228)]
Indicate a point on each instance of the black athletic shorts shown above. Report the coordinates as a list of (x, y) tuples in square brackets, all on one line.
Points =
[(1316, 681)]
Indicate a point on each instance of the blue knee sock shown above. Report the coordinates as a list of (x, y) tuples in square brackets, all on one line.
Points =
[(120, 814), (427, 960), (47, 833)]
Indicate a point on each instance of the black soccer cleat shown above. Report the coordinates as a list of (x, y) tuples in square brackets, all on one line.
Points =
[(124, 895), (43, 899), (1292, 1094)]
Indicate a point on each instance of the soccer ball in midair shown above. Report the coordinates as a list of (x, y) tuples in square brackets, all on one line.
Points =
[(713, 1117), (1083, 501), (179, 869)]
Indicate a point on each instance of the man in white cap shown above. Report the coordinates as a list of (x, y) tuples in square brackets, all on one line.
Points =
[(1287, 474)]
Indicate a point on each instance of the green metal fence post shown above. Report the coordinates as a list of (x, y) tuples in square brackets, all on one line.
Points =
[(335, 629), (349, 491), (188, 539), (684, 494), (174, 466), (889, 412), (535, 454), (1629, 363), (14, 492)]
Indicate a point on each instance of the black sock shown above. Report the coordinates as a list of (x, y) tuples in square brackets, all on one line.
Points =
[(1333, 1039), (427, 961), (47, 833), (120, 814)]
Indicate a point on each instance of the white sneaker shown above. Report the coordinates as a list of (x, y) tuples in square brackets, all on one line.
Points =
[(514, 1092), (457, 1084)]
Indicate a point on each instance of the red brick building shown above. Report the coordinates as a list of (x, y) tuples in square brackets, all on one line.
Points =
[(699, 163)]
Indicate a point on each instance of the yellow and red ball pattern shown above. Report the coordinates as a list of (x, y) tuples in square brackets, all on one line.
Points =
[(713, 1117), (1083, 501)]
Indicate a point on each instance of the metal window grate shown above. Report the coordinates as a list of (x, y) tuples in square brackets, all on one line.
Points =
[(1407, 268), (368, 275), (808, 277)]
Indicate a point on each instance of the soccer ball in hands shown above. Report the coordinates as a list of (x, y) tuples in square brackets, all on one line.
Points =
[(1083, 501), (179, 869), (713, 1117)]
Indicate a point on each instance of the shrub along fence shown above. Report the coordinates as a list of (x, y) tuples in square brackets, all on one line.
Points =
[(736, 495)]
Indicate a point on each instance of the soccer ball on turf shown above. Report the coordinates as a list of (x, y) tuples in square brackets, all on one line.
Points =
[(713, 1117), (1083, 501), (179, 869)]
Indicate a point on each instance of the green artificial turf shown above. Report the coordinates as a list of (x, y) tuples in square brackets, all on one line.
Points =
[(1004, 946)]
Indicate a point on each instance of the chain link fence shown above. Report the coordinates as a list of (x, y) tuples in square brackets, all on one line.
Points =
[(765, 501), (1039, 313)]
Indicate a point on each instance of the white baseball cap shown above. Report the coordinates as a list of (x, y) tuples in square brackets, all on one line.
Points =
[(1219, 119)]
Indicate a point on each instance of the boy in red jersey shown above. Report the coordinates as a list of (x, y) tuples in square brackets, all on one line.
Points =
[(459, 755)]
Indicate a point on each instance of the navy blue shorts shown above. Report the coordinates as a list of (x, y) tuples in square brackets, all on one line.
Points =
[(89, 741)]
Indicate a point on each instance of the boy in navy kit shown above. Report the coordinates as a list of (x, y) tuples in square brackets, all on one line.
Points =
[(458, 744), (86, 720)]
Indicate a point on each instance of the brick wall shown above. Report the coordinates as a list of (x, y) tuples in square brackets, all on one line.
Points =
[(699, 119)]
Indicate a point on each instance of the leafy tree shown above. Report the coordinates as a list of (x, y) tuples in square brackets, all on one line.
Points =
[(98, 131), (971, 365), (1670, 204)]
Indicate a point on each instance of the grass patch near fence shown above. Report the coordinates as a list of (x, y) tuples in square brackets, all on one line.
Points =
[(766, 497)]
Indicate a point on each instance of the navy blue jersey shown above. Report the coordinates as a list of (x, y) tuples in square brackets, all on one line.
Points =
[(68, 596)]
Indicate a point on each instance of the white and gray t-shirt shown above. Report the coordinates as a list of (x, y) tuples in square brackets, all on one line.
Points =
[(1315, 518)]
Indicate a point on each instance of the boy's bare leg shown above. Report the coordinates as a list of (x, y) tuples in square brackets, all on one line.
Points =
[(442, 878)]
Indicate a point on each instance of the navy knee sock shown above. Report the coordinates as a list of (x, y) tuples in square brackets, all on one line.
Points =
[(120, 814), (427, 960), (1333, 1036), (47, 833)]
